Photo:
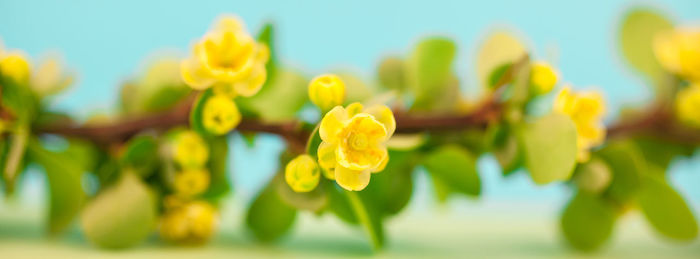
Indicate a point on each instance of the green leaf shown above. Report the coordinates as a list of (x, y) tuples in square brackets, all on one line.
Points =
[(627, 164), (499, 48), (220, 184), (369, 218), (666, 210), (141, 154), (196, 122), (14, 159), (637, 32), (268, 217), (166, 98), (280, 98), (391, 73), (64, 179), (356, 89), (549, 146), (498, 73), (456, 167), (661, 153), (507, 153), (121, 215), (593, 176), (267, 36), (392, 188), (587, 222), (313, 201), (338, 204), (429, 73)]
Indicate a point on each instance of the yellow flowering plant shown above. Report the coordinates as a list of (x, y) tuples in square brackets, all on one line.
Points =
[(160, 162)]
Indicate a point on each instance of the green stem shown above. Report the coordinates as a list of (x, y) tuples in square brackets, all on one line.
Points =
[(365, 220)]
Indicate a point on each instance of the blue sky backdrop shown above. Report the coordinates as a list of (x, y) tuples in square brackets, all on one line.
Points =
[(106, 41)]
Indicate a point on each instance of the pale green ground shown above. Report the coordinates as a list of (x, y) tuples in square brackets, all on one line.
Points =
[(492, 229)]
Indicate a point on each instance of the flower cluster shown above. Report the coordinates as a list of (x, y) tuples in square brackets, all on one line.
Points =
[(586, 110), (678, 51), (187, 219), (229, 60)]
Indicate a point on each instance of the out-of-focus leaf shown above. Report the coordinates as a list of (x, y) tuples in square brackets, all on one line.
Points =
[(18, 100), (429, 73), (158, 88), (314, 200), (456, 167), (64, 171), (506, 150), (280, 98), (549, 146), (497, 74), (141, 154), (666, 210), (356, 89), (14, 160), (627, 164), (338, 203), (406, 142), (587, 222), (269, 218), (661, 153), (391, 74), (392, 188), (593, 176), (499, 48), (122, 215), (637, 32), (220, 184), (196, 121), (369, 217), (267, 36), (166, 98)]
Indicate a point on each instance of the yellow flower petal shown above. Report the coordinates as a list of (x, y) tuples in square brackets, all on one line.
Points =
[(16, 66), (194, 74), (302, 174), (354, 108), (326, 155), (382, 165), (191, 182), (332, 123), (360, 159), (688, 105), (542, 78), (327, 91), (352, 180), (255, 81), (190, 150), (383, 114)]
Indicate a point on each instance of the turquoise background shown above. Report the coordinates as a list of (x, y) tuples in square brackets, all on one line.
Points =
[(106, 41)]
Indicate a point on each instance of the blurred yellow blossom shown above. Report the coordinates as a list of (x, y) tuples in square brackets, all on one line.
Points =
[(327, 91), (543, 78), (15, 65), (50, 77), (302, 173), (191, 182), (190, 223), (586, 110), (220, 115), (190, 150), (678, 51), (227, 54), (354, 143), (688, 105)]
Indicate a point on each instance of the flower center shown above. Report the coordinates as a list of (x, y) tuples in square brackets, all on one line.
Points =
[(358, 141)]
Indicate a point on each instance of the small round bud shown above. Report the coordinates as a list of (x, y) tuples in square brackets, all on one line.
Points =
[(15, 66), (192, 182), (327, 91), (190, 150), (302, 173), (220, 115), (593, 176), (191, 223), (543, 78)]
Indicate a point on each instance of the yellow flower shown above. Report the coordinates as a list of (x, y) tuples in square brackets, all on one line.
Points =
[(678, 51), (220, 115), (688, 105), (191, 182), (193, 222), (354, 143), (302, 173), (327, 91), (229, 55), (16, 66), (543, 78), (190, 150), (586, 110), (49, 77)]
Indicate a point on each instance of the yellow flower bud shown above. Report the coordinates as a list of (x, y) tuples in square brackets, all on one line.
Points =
[(543, 78), (354, 143), (191, 182), (678, 51), (191, 223), (302, 173), (190, 150), (688, 105), (327, 91), (15, 66), (220, 115), (586, 110)]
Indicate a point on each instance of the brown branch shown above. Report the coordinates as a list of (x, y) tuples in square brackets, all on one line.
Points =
[(658, 122)]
